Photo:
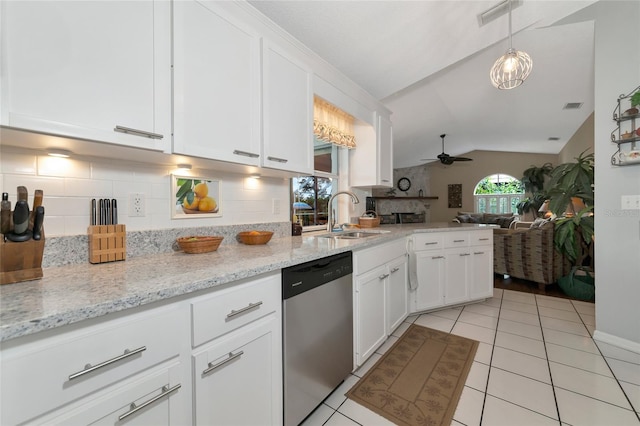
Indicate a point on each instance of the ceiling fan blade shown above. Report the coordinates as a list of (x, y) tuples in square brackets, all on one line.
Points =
[(461, 159)]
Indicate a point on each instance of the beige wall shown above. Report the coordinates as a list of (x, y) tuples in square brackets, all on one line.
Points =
[(583, 139), (469, 173)]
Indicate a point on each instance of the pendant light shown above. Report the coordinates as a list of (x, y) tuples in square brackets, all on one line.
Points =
[(512, 68)]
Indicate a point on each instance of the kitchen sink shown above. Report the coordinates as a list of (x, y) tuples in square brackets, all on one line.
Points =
[(350, 235)]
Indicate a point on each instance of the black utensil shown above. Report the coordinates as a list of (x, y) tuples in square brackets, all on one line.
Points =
[(114, 212), (20, 217), (102, 218), (37, 223), (107, 211), (94, 218)]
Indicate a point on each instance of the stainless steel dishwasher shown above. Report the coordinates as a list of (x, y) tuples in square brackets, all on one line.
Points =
[(317, 332)]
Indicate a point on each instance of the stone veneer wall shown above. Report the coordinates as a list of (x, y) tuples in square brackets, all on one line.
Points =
[(419, 177)]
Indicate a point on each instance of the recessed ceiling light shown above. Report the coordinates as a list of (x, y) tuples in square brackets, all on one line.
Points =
[(497, 11), (572, 105), (57, 152), (184, 166)]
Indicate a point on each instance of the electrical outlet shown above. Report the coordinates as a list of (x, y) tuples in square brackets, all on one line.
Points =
[(136, 205), (276, 205), (630, 202)]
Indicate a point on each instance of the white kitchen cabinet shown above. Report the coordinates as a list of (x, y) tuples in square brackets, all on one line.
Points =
[(155, 399), (452, 268), (380, 298), (216, 84), (237, 378), (96, 70), (371, 163), (61, 366), (287, 101)]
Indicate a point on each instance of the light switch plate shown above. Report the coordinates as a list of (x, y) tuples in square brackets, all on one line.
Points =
[(630, 202)]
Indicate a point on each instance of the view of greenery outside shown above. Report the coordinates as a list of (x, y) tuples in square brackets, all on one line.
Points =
[(311, 195), (498, 194)]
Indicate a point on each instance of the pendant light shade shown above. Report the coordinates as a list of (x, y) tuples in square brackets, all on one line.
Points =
[(512, 68)]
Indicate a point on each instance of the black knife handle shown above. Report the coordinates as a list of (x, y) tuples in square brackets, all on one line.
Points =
[(20, 217), (37, 223)]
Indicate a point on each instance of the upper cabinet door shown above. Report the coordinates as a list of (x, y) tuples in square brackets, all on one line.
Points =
[(371, 162), (86, 68), (288, 112), (216, 84), (385, 152)]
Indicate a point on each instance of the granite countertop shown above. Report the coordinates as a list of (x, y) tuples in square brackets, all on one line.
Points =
[(69, 294)]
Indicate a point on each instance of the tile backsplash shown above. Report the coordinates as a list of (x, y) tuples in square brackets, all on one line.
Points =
[(69, 184)]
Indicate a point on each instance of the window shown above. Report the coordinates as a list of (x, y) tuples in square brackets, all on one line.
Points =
[(498, 194), (310, 194)]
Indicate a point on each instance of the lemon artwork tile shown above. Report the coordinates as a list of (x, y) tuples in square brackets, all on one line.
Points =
[(195, 197)]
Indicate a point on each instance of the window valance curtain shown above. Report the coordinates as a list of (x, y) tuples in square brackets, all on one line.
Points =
[(331, 124)]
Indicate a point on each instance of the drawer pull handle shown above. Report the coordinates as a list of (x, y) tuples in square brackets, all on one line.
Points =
[(383, 276), (231, 357), (437, 257), (385, 180), (136, 132), (89, 368), (245, 309), (133, 408), (245, 153), (478, 252), (465, 254), (276, 159), (483, 239), (396, 269), (458, 241), (431, 243)]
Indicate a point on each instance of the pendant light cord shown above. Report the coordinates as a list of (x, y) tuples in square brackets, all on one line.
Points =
[(510, 30)]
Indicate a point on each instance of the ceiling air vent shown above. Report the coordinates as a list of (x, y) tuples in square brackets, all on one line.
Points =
[(497, 11), (553, 138), (572, 105)]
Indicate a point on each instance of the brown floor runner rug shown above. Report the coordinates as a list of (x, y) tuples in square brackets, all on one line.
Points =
[(419, 380)]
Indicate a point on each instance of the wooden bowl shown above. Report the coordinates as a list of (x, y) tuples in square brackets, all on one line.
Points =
[(199, 244), (255, 237)]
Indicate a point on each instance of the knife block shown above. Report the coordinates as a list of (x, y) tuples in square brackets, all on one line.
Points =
[(21, 261), (107, 243)]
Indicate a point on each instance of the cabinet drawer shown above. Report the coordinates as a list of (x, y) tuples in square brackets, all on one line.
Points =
[(456, 239), (367, 259), (427, 241), (481, 238), (42, 376), (225, 310)]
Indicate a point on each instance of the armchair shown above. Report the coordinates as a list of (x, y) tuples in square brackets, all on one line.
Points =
[(529, 253)]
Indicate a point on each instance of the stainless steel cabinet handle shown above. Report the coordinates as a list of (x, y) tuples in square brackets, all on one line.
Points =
[(385, 180), (383, 276), (396, 269), (483, 239), (133, 408), (458, 241), (245, 153), (245, 309), (478, 252), (437, 257), (231, 357), (136, 132), (465, 254), (279, 160), (431, 243), (89, 368)]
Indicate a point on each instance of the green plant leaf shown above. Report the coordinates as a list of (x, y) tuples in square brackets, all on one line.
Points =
[(184, 188)]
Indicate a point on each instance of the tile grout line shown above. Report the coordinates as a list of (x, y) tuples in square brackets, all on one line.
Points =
[(546, 354), (493, 347)]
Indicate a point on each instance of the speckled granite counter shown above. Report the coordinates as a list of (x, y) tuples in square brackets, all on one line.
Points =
[(72, 293)]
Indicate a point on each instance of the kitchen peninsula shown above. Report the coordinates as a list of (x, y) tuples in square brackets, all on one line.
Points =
[(86, 340)]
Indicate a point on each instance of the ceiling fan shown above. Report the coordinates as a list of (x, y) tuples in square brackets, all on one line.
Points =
[(446, 158)]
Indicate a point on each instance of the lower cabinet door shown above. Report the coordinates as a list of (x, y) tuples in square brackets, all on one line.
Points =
[(370, 320), (238, 378), (430, 270), (155, 399), (397, 298), (457, 275), (481, 276)]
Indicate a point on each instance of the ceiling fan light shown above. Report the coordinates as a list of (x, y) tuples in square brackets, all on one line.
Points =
[(511, 69)]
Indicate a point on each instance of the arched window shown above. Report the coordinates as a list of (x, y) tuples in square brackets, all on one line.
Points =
[(498, 194)]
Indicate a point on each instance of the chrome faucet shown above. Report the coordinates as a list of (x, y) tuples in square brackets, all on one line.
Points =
[(354, 200)]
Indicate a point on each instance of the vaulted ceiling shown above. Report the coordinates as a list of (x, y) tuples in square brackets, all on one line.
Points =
[(428, 62)]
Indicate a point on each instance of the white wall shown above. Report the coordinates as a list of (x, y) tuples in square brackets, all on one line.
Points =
[(70, 184), (617, 246)]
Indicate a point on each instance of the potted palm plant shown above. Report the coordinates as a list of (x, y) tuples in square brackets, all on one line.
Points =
[(571, 198), (534, 179)]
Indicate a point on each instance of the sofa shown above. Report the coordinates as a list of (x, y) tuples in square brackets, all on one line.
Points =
[(527, 251), (504, 220)]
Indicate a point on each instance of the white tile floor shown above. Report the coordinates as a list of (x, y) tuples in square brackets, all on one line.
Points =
[(536, 365)]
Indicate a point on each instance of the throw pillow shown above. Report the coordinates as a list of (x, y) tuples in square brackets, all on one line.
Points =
[(493, 218), (463, 218), (504, 222), (538, 223)]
